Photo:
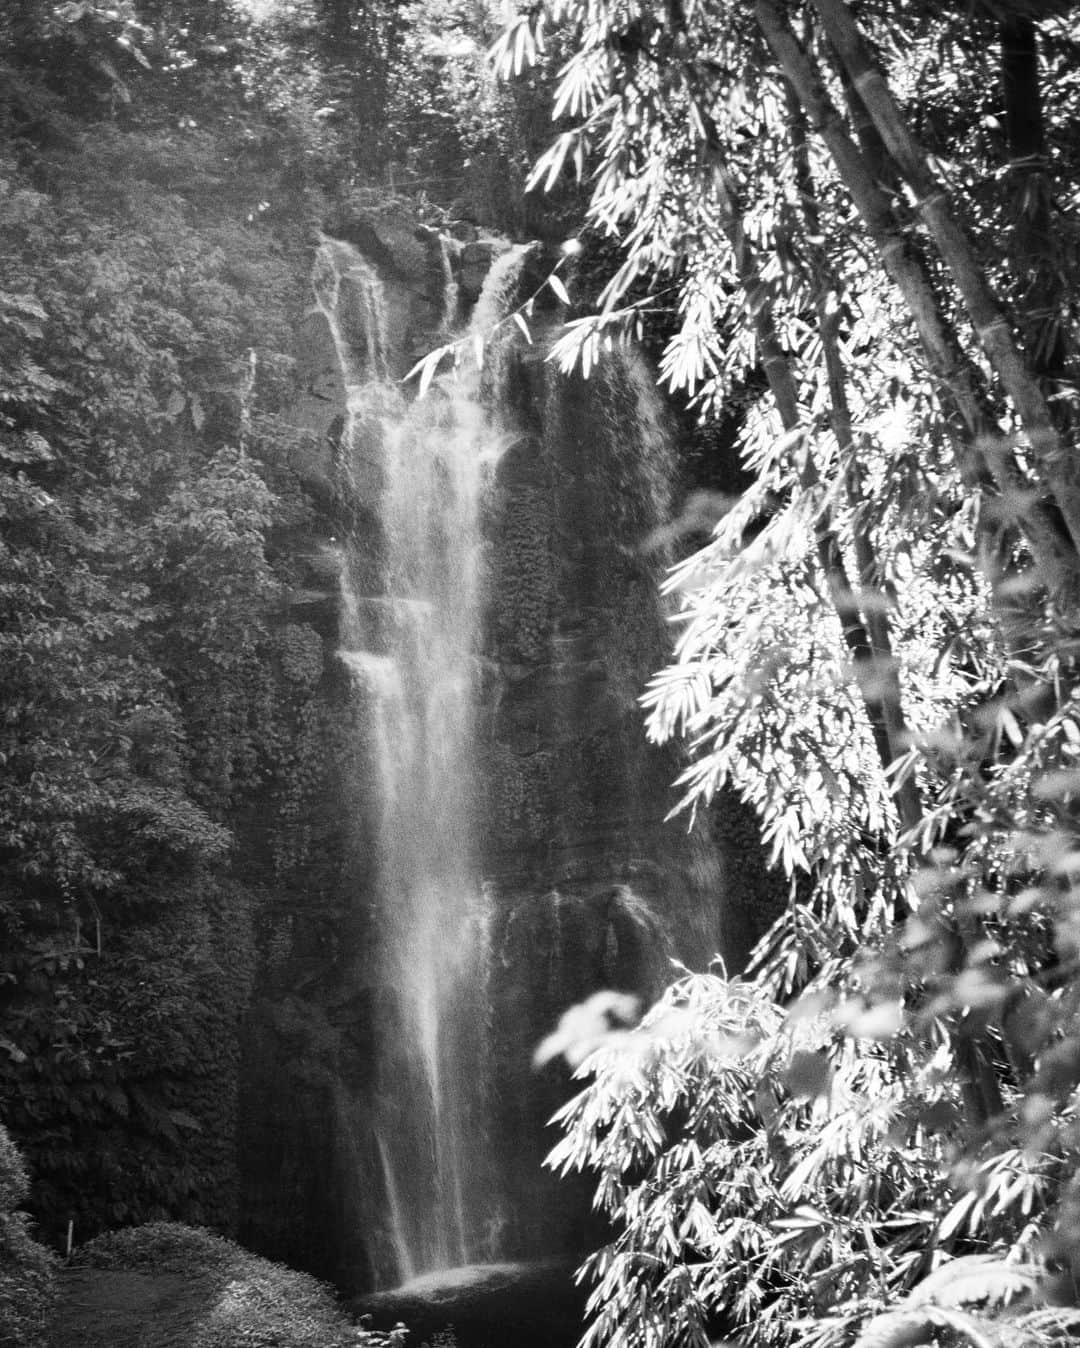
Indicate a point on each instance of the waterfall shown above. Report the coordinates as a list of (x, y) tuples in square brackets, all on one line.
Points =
[(497, 851), (409, 639)]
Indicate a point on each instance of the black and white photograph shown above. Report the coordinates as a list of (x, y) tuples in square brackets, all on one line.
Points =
[(539, 674)]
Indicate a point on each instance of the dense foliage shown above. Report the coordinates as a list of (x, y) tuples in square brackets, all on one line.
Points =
[(27, 1269), (460, 137), (862, 223), (767, 1177), (154, 692)]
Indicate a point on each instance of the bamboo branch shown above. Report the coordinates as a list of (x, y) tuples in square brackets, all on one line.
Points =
[(867, 651), (998, 538), (773, 358), (975, 472), (987, 317), (954, 372), (881, 690), (944, 357)]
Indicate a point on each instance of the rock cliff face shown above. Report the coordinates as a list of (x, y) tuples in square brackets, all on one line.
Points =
[(583, 884), (593, 889)]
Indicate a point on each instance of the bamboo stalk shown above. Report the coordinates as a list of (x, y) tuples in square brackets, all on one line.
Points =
[(989, 320), (954, 372), (858, 636), (883, 698), (944, 357), (1034, 251)]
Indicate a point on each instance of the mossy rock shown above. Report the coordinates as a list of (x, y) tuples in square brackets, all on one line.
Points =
[(165, 1285)]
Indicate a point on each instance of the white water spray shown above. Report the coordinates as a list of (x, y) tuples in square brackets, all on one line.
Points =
[(411, 649)]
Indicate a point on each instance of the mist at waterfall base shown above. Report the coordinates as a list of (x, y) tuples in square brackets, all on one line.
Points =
[(504, 849)]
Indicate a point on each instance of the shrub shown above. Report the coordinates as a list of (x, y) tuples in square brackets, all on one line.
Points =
[(235, 1297), (26, 1268)]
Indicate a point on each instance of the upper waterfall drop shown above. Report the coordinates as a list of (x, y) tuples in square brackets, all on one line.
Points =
[(355, 314)]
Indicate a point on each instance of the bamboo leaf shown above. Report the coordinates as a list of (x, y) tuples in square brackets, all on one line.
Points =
[(555, 282)]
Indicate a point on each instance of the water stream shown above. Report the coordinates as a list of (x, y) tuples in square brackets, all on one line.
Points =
[(409, 640)]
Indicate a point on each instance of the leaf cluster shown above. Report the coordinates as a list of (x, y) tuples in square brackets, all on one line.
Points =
[(769, 1177)]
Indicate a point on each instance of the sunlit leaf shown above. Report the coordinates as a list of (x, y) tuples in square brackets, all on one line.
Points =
[(561, 293)]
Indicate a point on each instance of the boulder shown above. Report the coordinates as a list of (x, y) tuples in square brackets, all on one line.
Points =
[(388, 236), (474, 263)]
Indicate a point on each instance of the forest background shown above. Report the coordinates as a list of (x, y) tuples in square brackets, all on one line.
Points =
[(849, 235)]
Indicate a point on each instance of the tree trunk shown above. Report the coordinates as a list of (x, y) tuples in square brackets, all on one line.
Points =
[(1033, 249)]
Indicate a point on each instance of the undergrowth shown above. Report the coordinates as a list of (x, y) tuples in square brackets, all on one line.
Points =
[(244, 1301)]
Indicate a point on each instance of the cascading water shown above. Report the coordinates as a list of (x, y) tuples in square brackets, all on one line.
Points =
[(406, 995), (410, 641)]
